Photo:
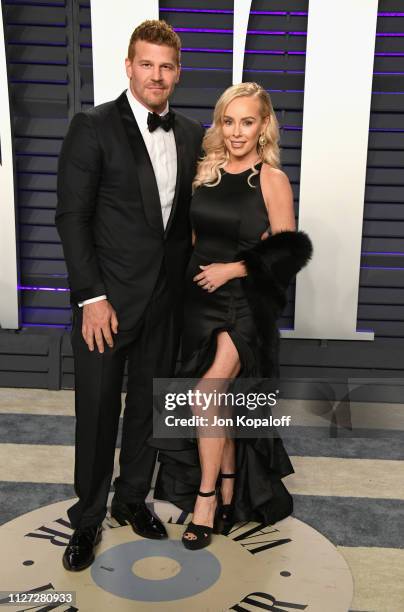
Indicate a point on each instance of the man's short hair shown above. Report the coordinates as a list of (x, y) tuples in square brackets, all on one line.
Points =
[(157, 32)]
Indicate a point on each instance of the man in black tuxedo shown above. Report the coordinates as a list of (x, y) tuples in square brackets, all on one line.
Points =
[(124, 187)]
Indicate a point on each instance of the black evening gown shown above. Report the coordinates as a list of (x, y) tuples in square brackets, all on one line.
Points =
[(227, 219)]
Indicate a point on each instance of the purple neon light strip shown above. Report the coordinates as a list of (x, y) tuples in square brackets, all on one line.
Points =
[(38, 81), (28, 288), (294, 13), (42, 43), (293, 329), (298, 128), (57, 326), (205, 50), (259, 52), (273, 51), (191, 10), (271, 32), (399, 254), (39, 63), (391, 130), (230, 31), (380, 268), (29, 23), (206, 68), (230, 12), (204, 30), (285, 90), (275, 71), (265, 71), (38, 3)]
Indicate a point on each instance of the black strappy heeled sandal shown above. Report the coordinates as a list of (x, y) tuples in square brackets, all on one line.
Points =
[(224, 514), (202, 533)]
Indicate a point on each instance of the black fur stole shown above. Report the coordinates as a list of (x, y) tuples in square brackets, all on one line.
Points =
[(271, 265)]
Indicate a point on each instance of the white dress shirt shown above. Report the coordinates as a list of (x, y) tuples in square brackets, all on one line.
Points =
[(163, 156)]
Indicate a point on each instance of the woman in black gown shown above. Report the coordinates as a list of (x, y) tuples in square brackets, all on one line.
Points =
[(239, 192)]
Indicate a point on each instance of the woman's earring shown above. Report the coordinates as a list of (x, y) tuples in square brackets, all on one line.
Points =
[(262, 141)]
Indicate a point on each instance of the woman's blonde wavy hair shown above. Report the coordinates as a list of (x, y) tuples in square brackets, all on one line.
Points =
[(216, 154)]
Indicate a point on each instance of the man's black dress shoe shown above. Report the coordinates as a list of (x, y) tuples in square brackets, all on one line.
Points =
[(143, 522), (79, 553)]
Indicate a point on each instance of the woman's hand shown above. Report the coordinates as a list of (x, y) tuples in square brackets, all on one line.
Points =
[(215, 275)]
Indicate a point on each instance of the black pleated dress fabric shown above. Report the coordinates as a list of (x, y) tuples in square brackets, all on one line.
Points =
[(227, 219)]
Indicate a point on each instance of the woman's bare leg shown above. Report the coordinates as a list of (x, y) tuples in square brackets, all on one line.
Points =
[(226, 365), (228, 466)]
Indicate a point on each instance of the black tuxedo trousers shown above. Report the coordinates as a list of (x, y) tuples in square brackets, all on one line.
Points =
[(150, 349)]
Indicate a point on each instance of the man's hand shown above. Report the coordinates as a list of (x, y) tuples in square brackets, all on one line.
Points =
[(99, 320)]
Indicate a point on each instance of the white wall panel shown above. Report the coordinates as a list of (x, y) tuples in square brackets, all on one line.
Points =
[(112, 24), (9, 315), (337, 96)]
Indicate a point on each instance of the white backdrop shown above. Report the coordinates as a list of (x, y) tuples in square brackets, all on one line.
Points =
[(112, 24), (337, 95), (9, 312)]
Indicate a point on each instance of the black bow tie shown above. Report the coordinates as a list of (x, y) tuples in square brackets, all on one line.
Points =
[(166, 121)]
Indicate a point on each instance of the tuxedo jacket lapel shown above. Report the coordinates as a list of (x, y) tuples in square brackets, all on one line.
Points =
[(143, 165), (180, 145)]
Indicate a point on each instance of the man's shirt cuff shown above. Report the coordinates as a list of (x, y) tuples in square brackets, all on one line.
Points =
[(92, 300)]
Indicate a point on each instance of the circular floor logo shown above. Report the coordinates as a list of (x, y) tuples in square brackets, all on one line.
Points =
[(285, 567)]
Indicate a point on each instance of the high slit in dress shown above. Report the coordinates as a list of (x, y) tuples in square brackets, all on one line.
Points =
[(227, 218)]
